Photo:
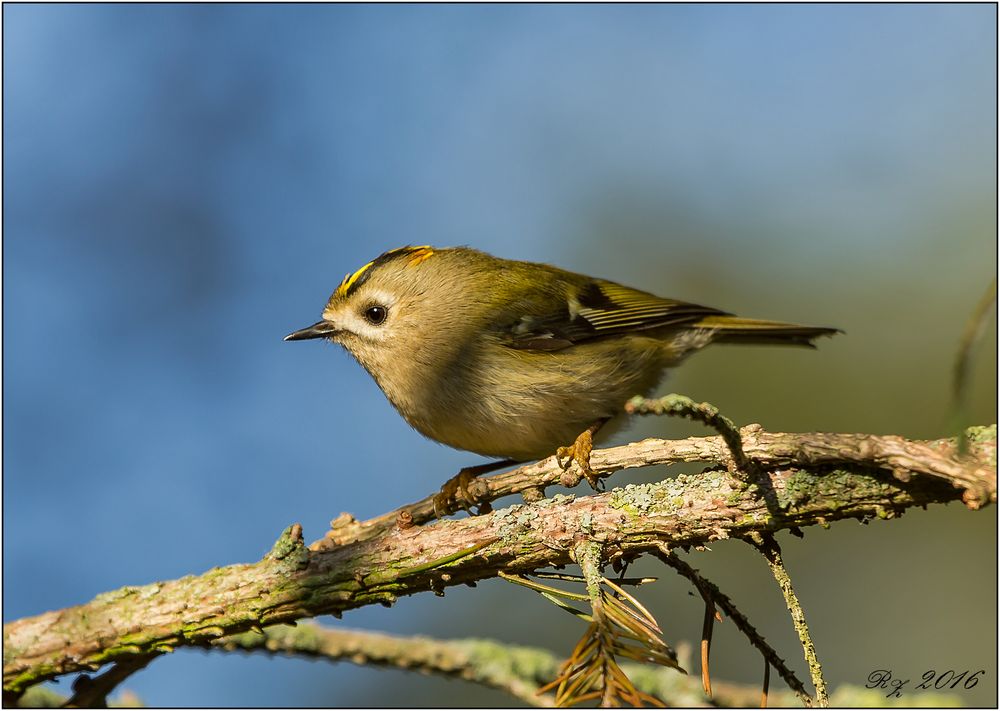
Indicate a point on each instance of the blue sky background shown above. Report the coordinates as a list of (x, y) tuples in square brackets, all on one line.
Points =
[(185, 184)]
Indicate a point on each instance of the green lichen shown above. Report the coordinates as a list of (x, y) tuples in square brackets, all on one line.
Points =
[(503, 662), (638, 499), (983, 435), (751, 520), (290, 548), (32, 676), (557, 500), (304, 638), (524, 518), (803, 486), (734, 499), (115, 595), (511, 523)]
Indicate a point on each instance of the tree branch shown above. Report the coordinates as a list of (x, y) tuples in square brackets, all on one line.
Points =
[(517, 670), (93, 693), (814, 478), (975, 475), (772, 554), (709, 591)]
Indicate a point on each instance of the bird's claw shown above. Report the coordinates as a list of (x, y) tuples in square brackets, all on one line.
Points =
[(579, 452), (455, 495)]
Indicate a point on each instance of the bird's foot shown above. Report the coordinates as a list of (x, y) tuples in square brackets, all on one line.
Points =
[(455, 495), (579, 452)]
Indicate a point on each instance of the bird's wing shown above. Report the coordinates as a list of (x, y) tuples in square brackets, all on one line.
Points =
[(595, 309)]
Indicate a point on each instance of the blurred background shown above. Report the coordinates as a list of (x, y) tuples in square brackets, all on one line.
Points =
[(186, 184)]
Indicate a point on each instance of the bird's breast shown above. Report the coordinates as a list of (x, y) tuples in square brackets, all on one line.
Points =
[(523, 405)]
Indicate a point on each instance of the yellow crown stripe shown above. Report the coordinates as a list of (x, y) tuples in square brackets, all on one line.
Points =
[(350, 279), (419, 254), (416, 255)]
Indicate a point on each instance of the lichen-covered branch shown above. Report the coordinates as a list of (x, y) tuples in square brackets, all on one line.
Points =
[(709, 591), (808, 479), (974, 474), (517, 670), (520, 671), (769, 548), (704, 412), (93, 692)]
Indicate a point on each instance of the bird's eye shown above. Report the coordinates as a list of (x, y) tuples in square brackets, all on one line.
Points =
[(375, 315)]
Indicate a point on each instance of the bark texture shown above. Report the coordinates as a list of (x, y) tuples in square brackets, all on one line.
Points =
[(805, 479)]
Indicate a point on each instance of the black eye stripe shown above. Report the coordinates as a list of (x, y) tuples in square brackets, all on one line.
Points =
[(376, 314)]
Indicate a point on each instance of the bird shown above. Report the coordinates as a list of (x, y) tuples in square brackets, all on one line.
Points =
[(517, 360)]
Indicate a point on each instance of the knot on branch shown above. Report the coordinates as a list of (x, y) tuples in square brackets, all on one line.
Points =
[(290, 548)]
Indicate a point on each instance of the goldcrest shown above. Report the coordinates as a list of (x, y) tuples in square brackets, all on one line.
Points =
[(514, 359)]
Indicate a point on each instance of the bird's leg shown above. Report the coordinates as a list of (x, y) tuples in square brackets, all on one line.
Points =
[(446, 501), (579, 452)]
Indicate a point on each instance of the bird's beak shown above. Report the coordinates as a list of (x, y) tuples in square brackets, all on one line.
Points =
[(320, 329)]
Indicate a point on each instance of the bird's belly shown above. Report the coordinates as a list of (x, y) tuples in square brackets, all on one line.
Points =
[(526, 414), (532, 434)]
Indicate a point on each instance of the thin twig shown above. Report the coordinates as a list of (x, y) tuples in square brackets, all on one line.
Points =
[(974, 328), (569, 577), (92, 692), (766, 544), (709, 591), (706, 646), (766, 684), (682, 406)]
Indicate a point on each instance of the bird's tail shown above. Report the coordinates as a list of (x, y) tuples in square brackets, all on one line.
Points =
[(733, 329)]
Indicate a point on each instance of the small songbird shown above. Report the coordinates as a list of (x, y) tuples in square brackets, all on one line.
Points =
[(514, 359)]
